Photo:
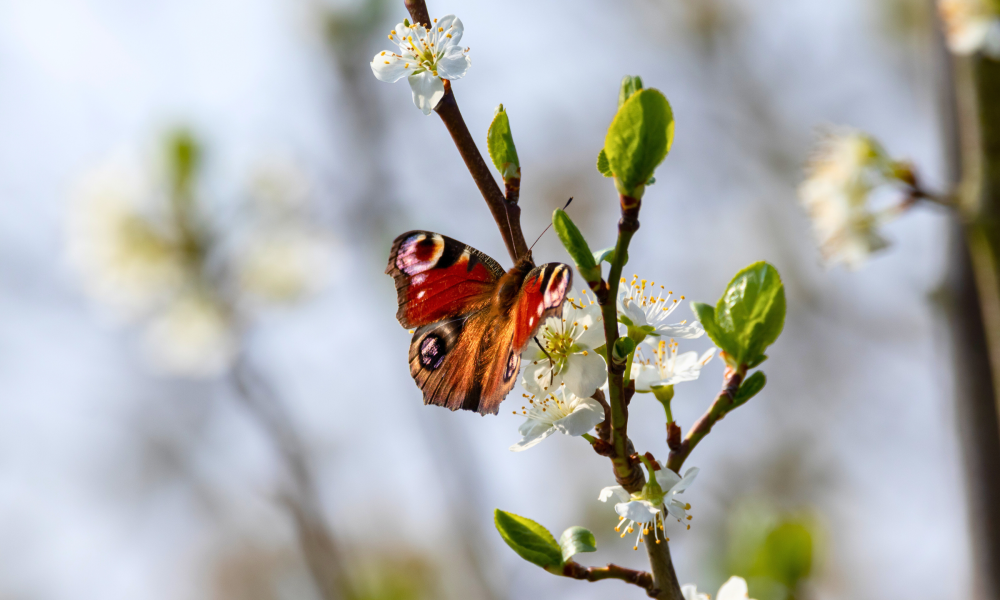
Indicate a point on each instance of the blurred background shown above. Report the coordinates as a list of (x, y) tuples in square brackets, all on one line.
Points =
[(203, 387)]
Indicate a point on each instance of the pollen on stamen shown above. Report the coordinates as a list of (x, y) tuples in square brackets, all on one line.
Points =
[(383, 53), (440, 29)]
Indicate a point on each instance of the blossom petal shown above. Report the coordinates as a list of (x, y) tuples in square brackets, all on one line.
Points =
[(453, 26), (640, 511), (454, 64), (589, 321), (645, 377), (677, 509), (687, 480), (587, 414), (667, 479), (427, 91), (690, 592), (583, 374), (734, 589), (685, 331), (614, 490), (532, 432), (538, 378), (390, 68)]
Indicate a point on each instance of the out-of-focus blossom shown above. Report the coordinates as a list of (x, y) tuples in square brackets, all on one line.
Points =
[(193, 337), (284, 265), (639, 308), (561, 411), (279, 183), (668, 368), (734, 589), (128, 259), (971, 26), (648, 508), (425, 58), (567, 352), (847, 166)]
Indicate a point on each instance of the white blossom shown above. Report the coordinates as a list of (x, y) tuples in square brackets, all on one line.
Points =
[(127, 257), (640, 308), (648, 508), (284, 264), (971, 26), (667, 367), (193, 337), (846, 168), (425, 58), (734, 589), (561, 411), (567, 352)]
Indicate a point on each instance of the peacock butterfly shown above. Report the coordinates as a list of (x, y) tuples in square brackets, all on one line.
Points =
[(472, 320)]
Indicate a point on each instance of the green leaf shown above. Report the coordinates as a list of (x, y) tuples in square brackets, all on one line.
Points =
[(706, 315), (787, 553), (638, 140), (623, 347), (750, 387), (575, 540), (576, 246), (531, 541), (751, 312), (602, 164), (183, 159), (500, 144), (608, 255), (630, 85)]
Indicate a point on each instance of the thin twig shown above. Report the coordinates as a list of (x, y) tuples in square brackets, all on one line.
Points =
[(316, 539), (612, 571), (722, 404)]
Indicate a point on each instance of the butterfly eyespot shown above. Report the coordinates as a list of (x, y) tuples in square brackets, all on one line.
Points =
[(432, 351), (419, 252), (513, 363)]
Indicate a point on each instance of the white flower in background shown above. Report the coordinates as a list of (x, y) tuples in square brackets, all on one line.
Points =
[(279, 184), (971, 26), (284, 265), (648, 508), (568, 355), (561, 411), (425, 58), (846, 168), (127, 259), (734, 589), (193, 337), (637, 303), (668, 367)]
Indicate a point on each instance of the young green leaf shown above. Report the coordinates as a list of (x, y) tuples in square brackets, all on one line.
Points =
[(602, 164), (608, 255), (575, 540), (623, 347), (500, 144), (750, 388), (638, 140), (630, 85), (576, 246), (531, 541), (706, 316), (751, 312)]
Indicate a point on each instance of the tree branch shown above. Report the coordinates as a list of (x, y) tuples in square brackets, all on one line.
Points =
[(505, 210), (723, 404), (640, 578)]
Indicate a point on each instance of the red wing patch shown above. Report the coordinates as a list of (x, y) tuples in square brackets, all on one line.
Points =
[(438, 277), (542, 296)]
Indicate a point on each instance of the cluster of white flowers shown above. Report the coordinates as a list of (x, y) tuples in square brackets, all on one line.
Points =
[(148, 259), (972, 26), (734, 589), (648, 508), (426, 57), (847, 166)]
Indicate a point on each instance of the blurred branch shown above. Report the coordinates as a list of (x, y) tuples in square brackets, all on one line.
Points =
[(323, 556), (507, 214), (970, 93), (639, 578), (722, 404)]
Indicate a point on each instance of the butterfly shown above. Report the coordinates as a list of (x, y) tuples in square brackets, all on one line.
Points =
[(472, 319)]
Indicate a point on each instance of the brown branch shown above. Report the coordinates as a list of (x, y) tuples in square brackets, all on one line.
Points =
[(723, 404), (640, 578)]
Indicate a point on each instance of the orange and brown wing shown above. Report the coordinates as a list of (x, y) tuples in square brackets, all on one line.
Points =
[(439, 278)]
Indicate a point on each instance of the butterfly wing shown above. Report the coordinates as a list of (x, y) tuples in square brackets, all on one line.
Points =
[(541, 295), (439, 278)]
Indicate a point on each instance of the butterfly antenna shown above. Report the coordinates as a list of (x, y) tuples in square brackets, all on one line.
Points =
[(510, 229), (549, 227), (552, 364)]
